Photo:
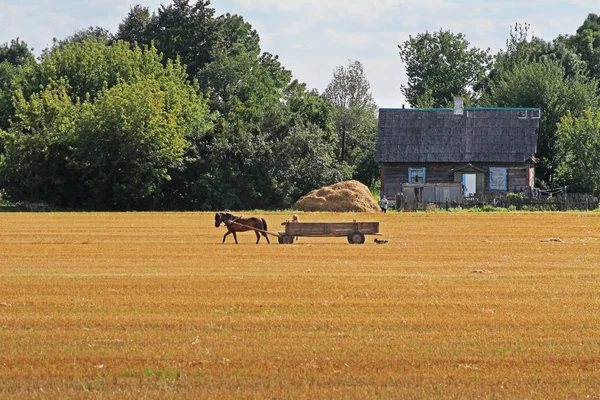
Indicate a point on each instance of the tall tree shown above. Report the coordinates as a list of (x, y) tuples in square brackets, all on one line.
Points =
[(132, 136), (90, 65), (96, 33), (520, 48), (586, 42), (16, 59), (185, 31), (119, 122), (543, 84), (578, 152), (441, 65), (36, 162), (16, 53), (350, 93), (134, 28)]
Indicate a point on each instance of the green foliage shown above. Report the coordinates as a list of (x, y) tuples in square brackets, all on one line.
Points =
[(36, 159), (485, 208), (586, 42), (515, 198), (6, 206), (115, 148), (15, 59), (8, 74), (89, 66), (441, 65), (521, 49), (17, 53), (184, 31), (543, 84), (96, 34), (578, 152), (134, 28), (132, 135)]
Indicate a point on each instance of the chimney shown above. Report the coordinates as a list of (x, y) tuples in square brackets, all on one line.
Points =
[(458, 105)]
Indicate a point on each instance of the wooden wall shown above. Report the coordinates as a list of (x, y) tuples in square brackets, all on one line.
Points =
[(394, 175)]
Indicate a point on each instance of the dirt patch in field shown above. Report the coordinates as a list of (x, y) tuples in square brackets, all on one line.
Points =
[(349, 196)]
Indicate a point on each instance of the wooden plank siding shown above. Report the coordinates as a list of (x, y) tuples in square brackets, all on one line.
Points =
[(394, 175), (450, 143), (326, 229)]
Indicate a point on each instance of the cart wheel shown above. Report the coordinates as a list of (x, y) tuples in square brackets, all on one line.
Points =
[(286, 239), (356, 237)]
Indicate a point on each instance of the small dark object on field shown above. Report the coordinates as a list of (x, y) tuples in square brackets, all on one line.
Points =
[(380, 241), (552, 239)]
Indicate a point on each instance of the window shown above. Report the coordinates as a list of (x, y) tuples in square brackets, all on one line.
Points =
[(416, 175), (498, 179)]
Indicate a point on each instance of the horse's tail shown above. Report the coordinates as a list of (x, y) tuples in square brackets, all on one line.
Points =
[(265, 228)]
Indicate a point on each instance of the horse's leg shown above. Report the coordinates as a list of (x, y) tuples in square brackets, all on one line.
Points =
[(225, 235), (264, 228), (234, 236), (257, 236)]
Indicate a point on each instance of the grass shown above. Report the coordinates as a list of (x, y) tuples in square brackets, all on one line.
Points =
[(6, 205), (456, 305)]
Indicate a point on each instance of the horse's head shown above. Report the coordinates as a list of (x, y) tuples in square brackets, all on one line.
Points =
[(223, 218)]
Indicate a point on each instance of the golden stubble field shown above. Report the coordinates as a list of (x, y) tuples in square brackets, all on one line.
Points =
[(152, 305)]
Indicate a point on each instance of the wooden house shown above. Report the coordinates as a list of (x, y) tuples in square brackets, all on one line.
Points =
[(484, 149)]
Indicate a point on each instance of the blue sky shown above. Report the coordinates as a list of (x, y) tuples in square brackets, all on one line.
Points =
[(312, 37)]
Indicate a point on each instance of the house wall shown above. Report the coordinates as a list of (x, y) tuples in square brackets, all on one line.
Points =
[(394, 175)]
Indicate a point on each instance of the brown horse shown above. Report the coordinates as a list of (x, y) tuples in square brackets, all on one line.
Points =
[(239, 224)]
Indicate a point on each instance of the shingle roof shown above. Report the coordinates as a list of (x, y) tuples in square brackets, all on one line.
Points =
[(437, 135)]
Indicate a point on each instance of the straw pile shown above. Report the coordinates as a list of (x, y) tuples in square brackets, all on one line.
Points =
[(349, 196)]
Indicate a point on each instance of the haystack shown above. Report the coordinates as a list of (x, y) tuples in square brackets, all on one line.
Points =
[(349, 196)]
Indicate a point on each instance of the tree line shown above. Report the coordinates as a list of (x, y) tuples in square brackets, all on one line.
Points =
[(178, 110), (181, 110)]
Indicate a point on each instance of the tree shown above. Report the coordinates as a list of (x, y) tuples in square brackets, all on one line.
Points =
[(543, 84), (95, 33), (112, 124), (17, 53), (134, 28), (132, 136), (522, 49), (355, 120), (15, 59), (578, 152), (185, 31), (586, 43), (37, 158), (89, 66), (441, 65)]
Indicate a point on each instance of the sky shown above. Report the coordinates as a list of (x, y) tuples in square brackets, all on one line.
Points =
[(313, 37)]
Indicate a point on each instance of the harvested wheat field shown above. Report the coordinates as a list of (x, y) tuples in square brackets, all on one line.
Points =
[(152, 305)]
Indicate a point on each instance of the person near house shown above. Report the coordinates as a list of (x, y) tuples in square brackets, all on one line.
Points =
[(383, 203)]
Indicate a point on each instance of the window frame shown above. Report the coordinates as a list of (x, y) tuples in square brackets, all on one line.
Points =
[(420, 169), (494, 187)]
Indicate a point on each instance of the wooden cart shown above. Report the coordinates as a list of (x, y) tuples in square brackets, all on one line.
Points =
[(354, 231)]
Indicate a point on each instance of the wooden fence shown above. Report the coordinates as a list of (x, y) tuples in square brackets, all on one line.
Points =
[(572, 201)]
